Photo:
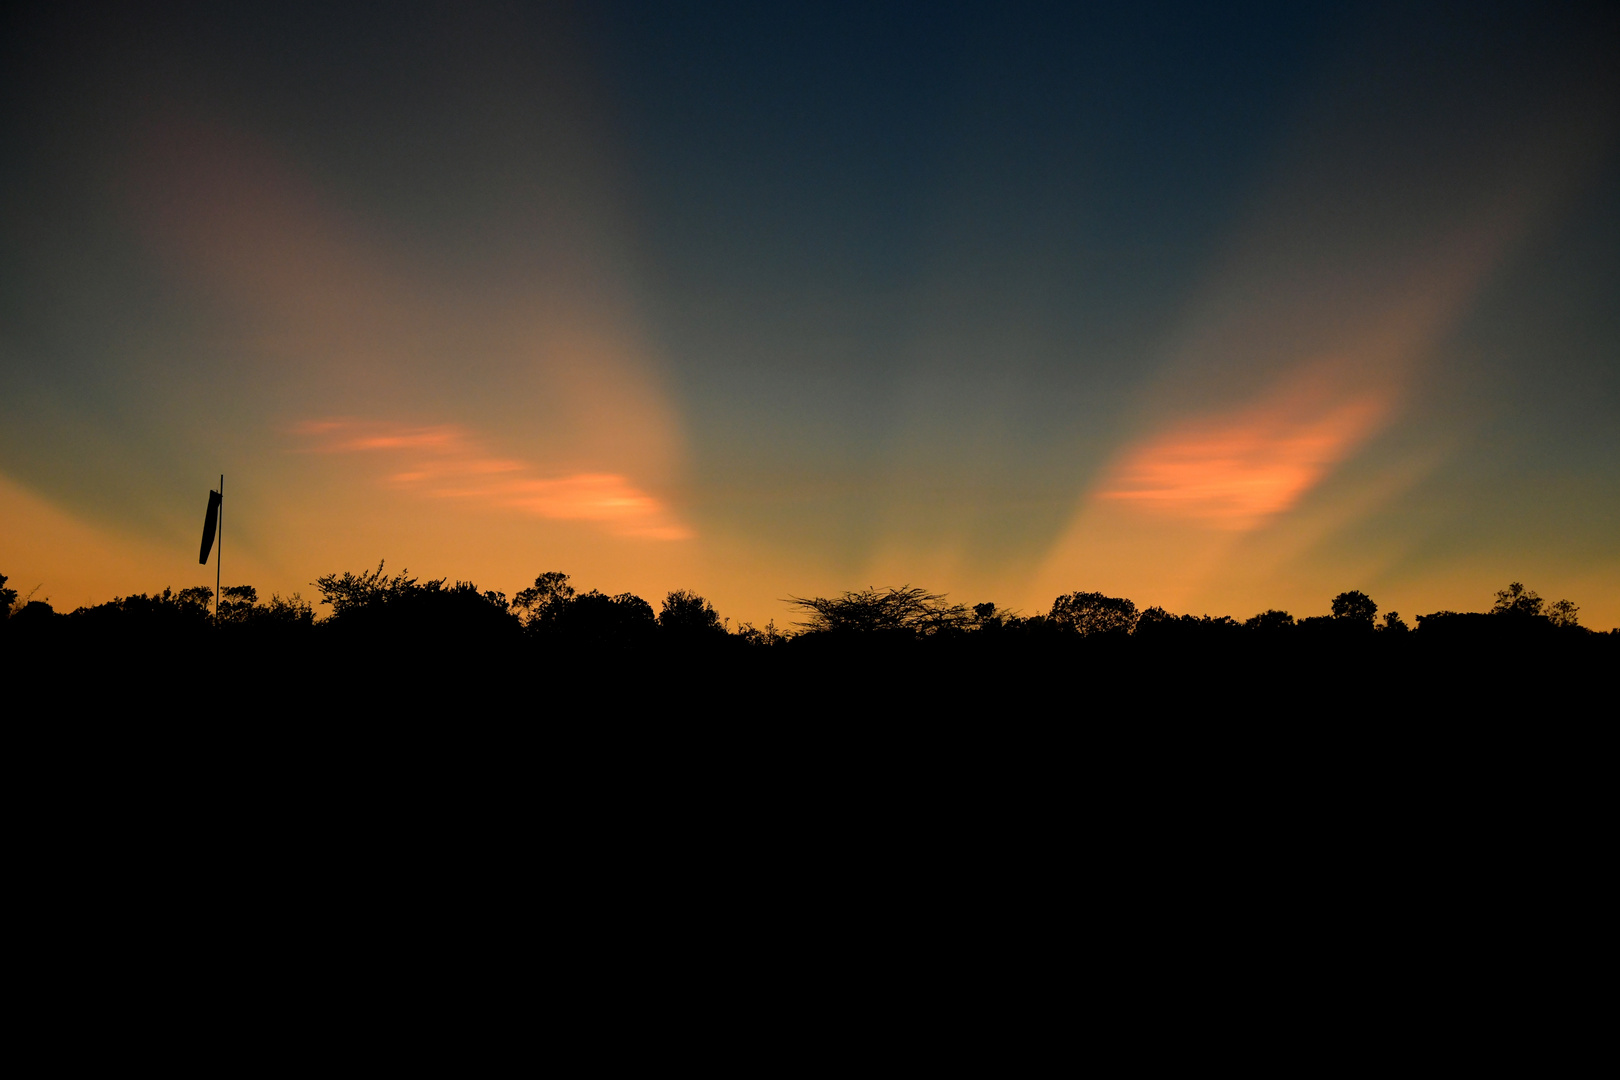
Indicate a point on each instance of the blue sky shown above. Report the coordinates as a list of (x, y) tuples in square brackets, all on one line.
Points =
[(1222, 309)]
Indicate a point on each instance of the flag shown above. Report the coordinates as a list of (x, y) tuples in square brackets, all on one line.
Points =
[(210, 522)]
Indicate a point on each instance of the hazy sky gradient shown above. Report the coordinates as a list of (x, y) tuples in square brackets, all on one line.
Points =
[(1224, 309)]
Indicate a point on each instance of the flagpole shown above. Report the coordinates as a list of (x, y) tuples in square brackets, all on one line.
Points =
[(221, 556)]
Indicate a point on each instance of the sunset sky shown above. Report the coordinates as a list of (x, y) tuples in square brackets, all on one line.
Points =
[(1217, 307)]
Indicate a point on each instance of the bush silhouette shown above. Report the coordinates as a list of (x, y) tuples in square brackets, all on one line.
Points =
[(1356, 608), (1092, 613), (402, 606), (372, 589), (138, 616), (686, 614), (1162, 628), (597, 619), (1270, 622), (33, 614)]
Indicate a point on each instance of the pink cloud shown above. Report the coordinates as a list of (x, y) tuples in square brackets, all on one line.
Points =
[(1239, 469), (444, 462)]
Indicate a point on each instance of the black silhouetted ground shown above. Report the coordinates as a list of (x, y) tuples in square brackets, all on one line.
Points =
[(433, 779)]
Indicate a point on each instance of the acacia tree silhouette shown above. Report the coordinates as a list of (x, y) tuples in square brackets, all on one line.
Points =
[(903, 611)]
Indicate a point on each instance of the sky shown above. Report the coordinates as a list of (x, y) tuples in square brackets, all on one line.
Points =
[(1217, 307)]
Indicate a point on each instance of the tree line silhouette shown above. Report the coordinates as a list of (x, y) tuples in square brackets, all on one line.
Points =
[(375, 644), (376, 604)]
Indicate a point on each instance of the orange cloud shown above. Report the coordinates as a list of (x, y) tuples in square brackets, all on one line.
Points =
[(338, 311), (443, 461), (1238, 470)]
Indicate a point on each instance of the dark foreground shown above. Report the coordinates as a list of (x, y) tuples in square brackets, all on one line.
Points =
[(438, 809)]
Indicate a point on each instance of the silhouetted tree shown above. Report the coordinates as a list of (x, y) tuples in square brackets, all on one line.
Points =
[(239, 608), (903, 611), (283, 611), (687, 614), (1563, 613), (987, 616), (199, 598), (348, 591), (8, 597), (33, 613), (542, 603), (766, 635), (1393, 623), (1271, 621), (1152, 619), (595, 618), (401, 608), (236, 603), (1517, 601), (144, 619), (1160, 626), (1091, 613), (1355, 607)]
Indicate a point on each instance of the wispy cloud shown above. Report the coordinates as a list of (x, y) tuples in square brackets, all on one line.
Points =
[(1239, 469), (446, 462)]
